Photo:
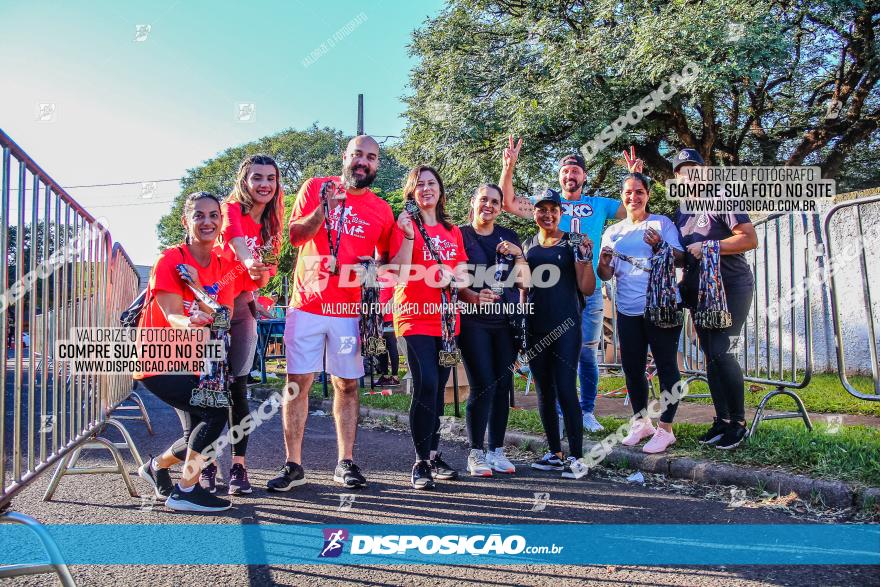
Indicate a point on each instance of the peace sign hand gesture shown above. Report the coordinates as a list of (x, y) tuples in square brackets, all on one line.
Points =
[(511, 153), (633, 165)]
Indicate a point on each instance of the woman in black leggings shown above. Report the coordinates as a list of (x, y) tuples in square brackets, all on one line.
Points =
[(487, 333), (418, 319), (559, 280), (735, 235), (627, 248), (171, 304)]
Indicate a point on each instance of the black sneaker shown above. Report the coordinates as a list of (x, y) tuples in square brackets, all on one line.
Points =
[(196, 500), (160, 479), (349, 475), (421, 476), (732, 437), (715, 432), (549, 462), (440, 469), (290, 476)]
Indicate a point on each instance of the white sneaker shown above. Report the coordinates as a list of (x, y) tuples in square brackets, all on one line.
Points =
[(476, 464), (498, 461), (591, 424), (574, 468)]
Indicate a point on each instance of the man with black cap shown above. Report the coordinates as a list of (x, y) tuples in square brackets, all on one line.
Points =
[(582, 214), (735, 235)]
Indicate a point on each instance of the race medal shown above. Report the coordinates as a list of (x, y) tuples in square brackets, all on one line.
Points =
[(269, 257), (221, 319), (380, 347), (498, 289), (331, 265)]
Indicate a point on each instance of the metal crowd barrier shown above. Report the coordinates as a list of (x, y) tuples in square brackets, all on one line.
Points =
[(59, 274), (842, 260)]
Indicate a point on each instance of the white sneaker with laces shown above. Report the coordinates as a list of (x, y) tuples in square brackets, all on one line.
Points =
[(591, 424), (574, 468), (477, 464), (498, 461)]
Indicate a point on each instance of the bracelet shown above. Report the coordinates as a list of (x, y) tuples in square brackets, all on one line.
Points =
[(409, 239)]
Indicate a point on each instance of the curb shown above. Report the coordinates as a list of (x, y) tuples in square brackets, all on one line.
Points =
[(835, 494)]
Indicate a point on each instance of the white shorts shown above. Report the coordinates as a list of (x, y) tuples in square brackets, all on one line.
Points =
[(305, 336)]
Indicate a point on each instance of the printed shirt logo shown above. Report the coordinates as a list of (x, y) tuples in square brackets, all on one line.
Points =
[(703, 221), (334, 540), (576, 210), (352, 226), (445, 249)]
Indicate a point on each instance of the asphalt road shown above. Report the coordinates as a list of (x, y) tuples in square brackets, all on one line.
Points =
[(386, 457)]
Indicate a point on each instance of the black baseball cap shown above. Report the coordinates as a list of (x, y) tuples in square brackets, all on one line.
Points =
[(551, 196), (686, 156), (573, 159)]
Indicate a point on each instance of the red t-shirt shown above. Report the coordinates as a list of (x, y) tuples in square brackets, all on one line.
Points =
[(266, 302), (418, 300), (367, 227), (239, 225), (165, 278)]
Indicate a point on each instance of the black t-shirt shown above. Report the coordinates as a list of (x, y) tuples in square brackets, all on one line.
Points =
[(696, 228), (552, 303), (480, 251)]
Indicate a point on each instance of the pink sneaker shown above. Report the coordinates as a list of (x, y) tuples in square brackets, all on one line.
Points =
[(659, 442), (641, 430)]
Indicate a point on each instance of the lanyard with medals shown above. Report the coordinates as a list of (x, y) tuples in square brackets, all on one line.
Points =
[(325, 202), (712, 312), (212, 390), (661, 305), (449, 353), (370, 319)]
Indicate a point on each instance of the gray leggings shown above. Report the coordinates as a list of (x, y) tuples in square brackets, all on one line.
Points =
[(242, 345), (242, 335)]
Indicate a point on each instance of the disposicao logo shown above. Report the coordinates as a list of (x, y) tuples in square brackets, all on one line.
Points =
[(334, 540)]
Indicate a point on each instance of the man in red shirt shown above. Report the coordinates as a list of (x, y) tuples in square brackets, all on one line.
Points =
[(326, 298)]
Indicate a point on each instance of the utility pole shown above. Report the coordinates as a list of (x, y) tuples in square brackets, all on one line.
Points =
[(360, 126)]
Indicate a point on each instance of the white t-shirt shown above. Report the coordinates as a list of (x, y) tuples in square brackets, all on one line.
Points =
[(626, 238)]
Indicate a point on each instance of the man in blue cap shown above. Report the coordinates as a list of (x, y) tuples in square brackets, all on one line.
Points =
[(582, 214)]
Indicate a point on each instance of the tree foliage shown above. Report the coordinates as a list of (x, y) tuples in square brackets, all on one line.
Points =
[(781, 82), (300, 154)]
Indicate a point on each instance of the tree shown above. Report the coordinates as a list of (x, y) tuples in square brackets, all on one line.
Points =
[(780, 83), (314, 152)]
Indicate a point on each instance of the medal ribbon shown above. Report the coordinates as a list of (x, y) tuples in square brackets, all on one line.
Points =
[(712, 312), (661, 307), (325, 202), (370, 319)]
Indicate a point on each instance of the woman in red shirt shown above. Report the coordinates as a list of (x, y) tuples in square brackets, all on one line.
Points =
[(171, 304), (418, 320), (251, 238)]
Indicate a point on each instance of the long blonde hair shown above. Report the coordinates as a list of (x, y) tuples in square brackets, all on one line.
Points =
[(273, 214)]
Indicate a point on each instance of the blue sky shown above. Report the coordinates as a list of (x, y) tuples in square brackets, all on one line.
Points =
[(133, 110)]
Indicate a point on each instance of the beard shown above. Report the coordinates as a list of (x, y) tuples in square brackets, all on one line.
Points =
[(352, 182), (578, 187)]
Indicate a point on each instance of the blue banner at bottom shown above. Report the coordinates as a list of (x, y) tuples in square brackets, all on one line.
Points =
[(569, 544)]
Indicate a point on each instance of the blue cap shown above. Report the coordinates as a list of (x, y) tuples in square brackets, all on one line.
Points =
[(686, 156), (550, 195)]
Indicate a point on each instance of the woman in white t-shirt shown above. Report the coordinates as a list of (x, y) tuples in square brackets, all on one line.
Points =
[(627, 248)]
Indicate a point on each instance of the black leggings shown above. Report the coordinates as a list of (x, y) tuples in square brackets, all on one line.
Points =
[(636, 334), (201, 426), (392, 354), (554, 366), (488, 356), (725, 376), (240, 408), (429, 381)]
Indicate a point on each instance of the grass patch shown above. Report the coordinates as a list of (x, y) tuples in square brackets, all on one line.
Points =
[(824, 395), (848, 455)]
